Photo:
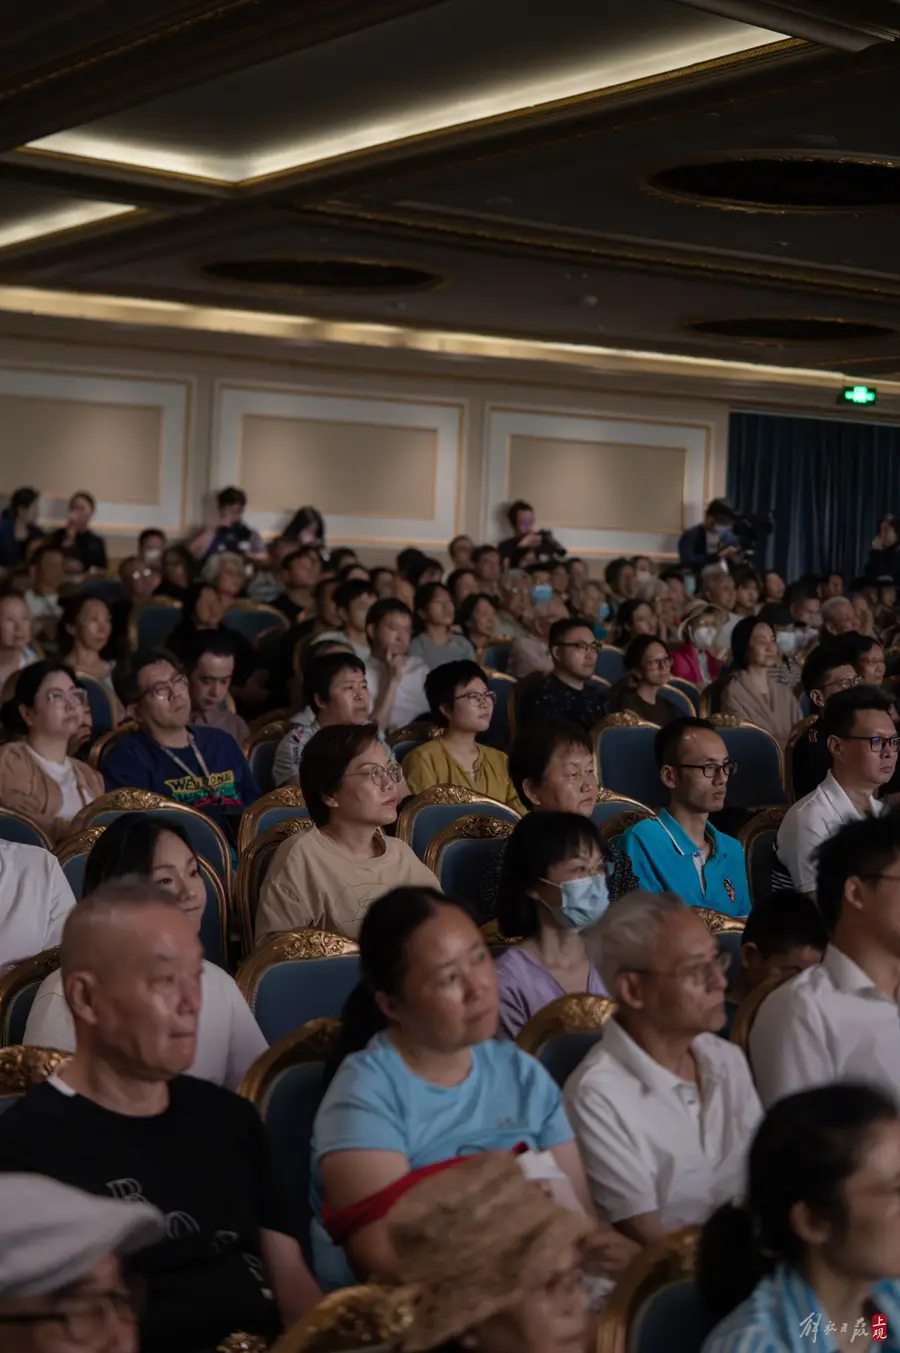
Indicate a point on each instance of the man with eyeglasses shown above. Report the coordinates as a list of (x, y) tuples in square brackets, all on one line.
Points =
[(61, 1280), (827, 670), (859, 733), (663, 1109), (203, 768), (837, 1020), (679, 850), (567, 693)]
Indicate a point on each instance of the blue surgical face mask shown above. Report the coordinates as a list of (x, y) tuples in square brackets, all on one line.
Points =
[(541, 592), (690, 585), (604, 611), (583, 901)]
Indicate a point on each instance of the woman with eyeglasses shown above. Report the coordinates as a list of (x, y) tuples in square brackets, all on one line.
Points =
[(459, 700), (552, 887), (38, 777), (754, 693), (649, 668), (327, 878)]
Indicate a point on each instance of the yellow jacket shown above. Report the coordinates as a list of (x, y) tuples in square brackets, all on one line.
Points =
[(431, 764)]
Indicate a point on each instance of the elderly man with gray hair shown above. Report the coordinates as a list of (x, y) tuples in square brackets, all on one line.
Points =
[(529, 653), (664, 1111), (838, 616)]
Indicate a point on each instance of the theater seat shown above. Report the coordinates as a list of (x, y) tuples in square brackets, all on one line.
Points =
[(19, 828), (625, 761), (205, 837), (610, 805), (460, 853), (758, 838), (279, 805), (564, 1053), (150, 625), (610, 664), (252, 619), (655, 1304), (298, 976), (673, 1318), (561, 1034), (21, 1067), (423, 816), (18, 988), (252, 868), (759, 781)]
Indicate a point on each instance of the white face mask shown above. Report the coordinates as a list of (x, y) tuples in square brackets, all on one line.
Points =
[(704, 637), (152, 556), (786, 641)]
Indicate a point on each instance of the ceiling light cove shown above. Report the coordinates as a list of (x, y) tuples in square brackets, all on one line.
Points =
[(71, 216), (645, 61)]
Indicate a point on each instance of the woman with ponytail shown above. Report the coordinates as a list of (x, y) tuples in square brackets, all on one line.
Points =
[(419, 1082), (813, 1257)]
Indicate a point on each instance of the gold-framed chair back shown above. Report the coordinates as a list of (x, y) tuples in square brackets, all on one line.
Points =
[(20, 827), (423, 730), (731, 722), (615, 826), (107, 740), (286, 798), (23, 1066), (14, 983), (748, 1009), (711, 695), (457, 861), (757, 858), (494, 940), (669, 1260), (272, 731), (571, 1014), (78, 843), (719, 922), (253, 862), (797, 732), (312, 1042), (441, 796), (165, 611), (289, 945), (637, 774), (350, 1319)]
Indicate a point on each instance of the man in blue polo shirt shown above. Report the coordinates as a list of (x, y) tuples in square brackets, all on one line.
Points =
[(680, 851)]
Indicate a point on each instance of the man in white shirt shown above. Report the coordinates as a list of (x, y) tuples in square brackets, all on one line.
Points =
[(396, 681), (35, 900), (663, 1109), (859, 733), (839, 1020)]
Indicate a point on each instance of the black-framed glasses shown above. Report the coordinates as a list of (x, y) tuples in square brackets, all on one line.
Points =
[(877, 744), (710, 768), (583, 645), (381, 775), (84, 1319)]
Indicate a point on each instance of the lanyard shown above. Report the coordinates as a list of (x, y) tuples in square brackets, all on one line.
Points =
[(192, 743)]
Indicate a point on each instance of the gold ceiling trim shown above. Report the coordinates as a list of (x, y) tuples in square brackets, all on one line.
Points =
[(747, 205), (611, 251), (141, 173), (525, 116), (103, 225)]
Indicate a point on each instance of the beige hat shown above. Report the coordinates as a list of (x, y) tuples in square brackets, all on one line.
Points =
[(473, 1241), (52, 1234), (698, 606)]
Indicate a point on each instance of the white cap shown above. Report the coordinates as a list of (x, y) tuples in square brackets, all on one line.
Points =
[(52, 1234)]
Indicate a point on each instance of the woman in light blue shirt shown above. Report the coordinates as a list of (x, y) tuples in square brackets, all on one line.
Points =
[(421, 1082), (812, 1261)]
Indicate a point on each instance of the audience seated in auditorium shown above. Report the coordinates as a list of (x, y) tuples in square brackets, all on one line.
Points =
[(419, 1031), (396, 680), (805, 606), (18, 527), (831, 585), (461, 583), (267, 583), (552, 887), (785, 933), (42, 597), (210, 672), (132, 968), (337, 692), (490, 1261), (859, 734), (382, 580), (459, 699), (649, 668), (753, 693), (16, 649), (201, 616), (478, 617), (838, 1020), (486, 563), (35, 899), (530, 653), (788, 642), (178, 570), (885, 605), (634, 617), (773, 587), (589, 601), (298, 573), (746, 591), (227, 573), (679, 850), (62, 1285), (567, 693), (838, 616), (620, 579), (811, 1256), (306, 527), (692, 657), (203, 768), (352, 600), (231, 534), (826, 671), (707, 543), (514, 605), (460, 551), (151, 545), (327, 878), (526, 534), (434, 641), (717, 587), (38, 777), (326, 619), (137, 847), (76, 537), (139, 581), (867, 656), (664, 1110), (85, 630)]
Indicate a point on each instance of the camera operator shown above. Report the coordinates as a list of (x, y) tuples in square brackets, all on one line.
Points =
[(527, 537), (713, 540)]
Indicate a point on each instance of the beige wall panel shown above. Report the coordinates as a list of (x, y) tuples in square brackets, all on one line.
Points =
[(348, 469), (599, 485), (62, 445)]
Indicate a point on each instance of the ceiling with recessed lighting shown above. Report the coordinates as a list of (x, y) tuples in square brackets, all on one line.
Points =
[(714, 178)]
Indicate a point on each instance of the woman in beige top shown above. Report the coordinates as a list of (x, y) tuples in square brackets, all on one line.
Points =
[(755, 693), (327, 878), (37, 775)]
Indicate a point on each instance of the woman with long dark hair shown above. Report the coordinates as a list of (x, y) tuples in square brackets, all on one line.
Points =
[(18, 527)]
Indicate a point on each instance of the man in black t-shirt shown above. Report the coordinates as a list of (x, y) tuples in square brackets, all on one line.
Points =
[(121, 1120), (567, 693)]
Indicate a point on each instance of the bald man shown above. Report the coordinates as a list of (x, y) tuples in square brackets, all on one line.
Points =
[(122, 1120)]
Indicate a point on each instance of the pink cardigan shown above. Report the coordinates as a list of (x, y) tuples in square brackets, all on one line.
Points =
[(686, 663)]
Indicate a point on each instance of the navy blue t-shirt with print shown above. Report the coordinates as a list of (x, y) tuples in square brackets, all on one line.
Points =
[(137, 761)]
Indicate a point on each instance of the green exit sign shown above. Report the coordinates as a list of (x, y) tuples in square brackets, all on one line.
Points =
[(858, 394)]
